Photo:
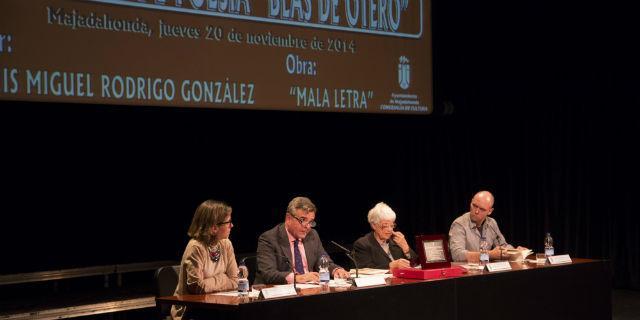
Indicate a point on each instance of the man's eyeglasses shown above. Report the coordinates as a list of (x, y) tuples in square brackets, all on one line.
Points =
[(226, 222), (304, 221)]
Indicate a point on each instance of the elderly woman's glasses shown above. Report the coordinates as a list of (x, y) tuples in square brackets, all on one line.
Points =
[(304, 221), (387, 226)]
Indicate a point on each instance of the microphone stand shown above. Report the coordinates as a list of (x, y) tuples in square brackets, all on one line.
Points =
[(349, 255), (502, 244), (293, 271)]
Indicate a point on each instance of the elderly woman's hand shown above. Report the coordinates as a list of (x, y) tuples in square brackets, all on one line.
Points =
[(400, 263), (398, 237)]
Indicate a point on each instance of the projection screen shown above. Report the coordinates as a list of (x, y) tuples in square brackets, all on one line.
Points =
[(363, 56)]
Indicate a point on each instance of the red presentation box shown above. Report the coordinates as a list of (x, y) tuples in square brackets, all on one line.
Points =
[(440, 273)]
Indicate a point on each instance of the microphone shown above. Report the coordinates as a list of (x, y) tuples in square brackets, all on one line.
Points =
[(502, 244), (349, 255), (245, 258), (286, 259)]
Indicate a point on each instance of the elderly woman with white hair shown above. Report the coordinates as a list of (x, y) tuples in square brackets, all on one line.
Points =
[(383, 248)]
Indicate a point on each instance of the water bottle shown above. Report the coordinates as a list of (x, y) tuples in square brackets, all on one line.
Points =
[(324, 270), (484, 251), (548, 245), (243, 281)]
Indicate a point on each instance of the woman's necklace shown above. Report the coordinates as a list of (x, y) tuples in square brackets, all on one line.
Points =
[(214, 252)]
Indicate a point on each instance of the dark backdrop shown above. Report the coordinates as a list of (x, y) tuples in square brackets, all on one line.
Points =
[(533, 102)]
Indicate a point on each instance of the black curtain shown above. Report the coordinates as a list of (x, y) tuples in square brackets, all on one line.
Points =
[(126, 181)]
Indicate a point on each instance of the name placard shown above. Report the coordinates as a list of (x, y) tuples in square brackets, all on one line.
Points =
[(498, 266), (279, 291), (561, 259), (370, 281)]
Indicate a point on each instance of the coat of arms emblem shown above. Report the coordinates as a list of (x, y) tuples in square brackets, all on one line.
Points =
[(404, 73)]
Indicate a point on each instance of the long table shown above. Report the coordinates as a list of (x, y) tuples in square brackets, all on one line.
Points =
[(579, 290)]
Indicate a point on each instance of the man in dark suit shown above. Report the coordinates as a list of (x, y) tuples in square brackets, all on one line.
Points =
[(383, 248), (293, 248)]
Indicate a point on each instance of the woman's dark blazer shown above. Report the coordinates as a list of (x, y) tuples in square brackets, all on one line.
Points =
[(369, 254)]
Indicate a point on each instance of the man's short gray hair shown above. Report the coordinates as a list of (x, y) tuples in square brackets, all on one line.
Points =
[(381, 211), (303, 203)]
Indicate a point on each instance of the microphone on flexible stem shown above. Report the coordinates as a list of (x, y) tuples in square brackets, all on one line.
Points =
[(242, 261), (286, 259), (502, 244), (348, 254)]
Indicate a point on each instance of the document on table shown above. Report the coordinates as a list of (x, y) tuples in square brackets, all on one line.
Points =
[(308, 285), (369, 271), (472, 266)]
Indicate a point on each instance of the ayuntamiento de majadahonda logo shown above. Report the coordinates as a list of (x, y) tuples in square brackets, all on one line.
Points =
[(404, 72)]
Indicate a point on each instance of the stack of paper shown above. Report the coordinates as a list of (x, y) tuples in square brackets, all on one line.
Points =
[(340, 283), (472, 266)]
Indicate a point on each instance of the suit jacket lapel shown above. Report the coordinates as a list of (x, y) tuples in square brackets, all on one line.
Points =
[(283, 241), (377, 248), (395, 250), (309, 250)]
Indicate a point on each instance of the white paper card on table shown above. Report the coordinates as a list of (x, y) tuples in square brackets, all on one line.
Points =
[(560, 259), (370, 281), (498, 266), (279, 291), (308, 285)]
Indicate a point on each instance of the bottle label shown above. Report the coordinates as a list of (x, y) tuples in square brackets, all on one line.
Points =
[(243, 286), (548, 252), (324, 276), (484, 257)]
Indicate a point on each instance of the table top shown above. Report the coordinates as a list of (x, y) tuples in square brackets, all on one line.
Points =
[(232, 302)]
